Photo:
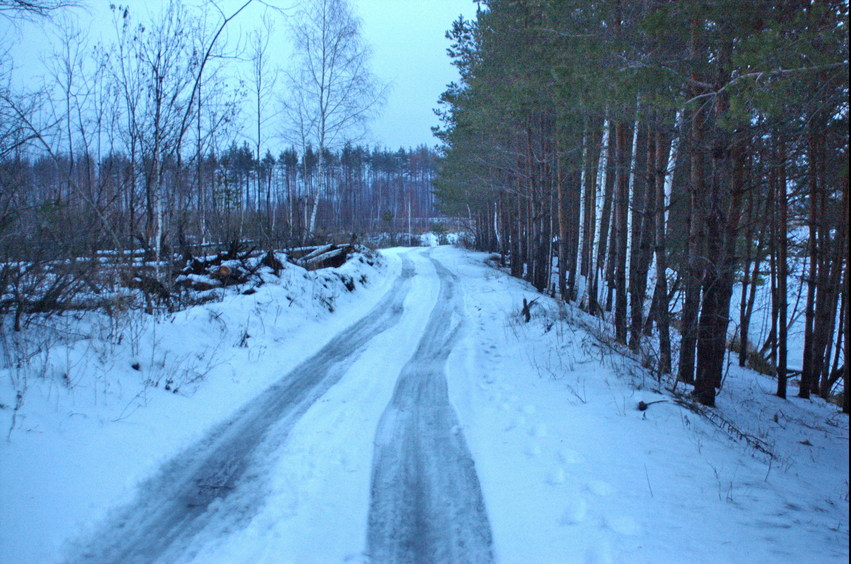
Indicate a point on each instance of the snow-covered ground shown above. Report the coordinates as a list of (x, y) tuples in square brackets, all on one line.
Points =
[(572, 471), (569, 469)]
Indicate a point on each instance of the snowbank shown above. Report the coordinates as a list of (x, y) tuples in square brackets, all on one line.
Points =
[(104, 401)]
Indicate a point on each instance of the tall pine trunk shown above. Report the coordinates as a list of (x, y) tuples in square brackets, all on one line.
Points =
[(812, 253), (642, 241), (621, 215), (562, 227), (693, 266), (589, 205), (782, 272), (846, 404)]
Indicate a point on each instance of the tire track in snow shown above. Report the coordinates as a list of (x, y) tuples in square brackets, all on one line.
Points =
[(427, 504), (217, 484)]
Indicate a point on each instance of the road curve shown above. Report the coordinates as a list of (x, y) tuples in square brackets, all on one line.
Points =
[(218, 484), (426, 501)]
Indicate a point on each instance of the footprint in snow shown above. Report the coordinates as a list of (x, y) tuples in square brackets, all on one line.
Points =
[(575, 511), (598, 487), (347, 464), (539, 430), (599, 553), (570, 456), (512, 425), (622, 524), (533, 448), (505, 403), (556, 477)]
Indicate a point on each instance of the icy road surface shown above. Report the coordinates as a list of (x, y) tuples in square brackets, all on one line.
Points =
[(427, 504), (426, 500)]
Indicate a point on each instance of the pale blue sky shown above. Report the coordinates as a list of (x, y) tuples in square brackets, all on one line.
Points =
[(409, 46)]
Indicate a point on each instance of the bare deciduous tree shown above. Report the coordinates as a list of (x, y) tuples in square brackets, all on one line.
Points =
[(263, 79), (33, 8), (333, 93), (13, 130)]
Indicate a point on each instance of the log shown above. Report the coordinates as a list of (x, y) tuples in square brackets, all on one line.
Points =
[(316, 252), (330, 259)]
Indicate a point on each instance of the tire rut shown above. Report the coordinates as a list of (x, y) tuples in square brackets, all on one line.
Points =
[(426, 500)]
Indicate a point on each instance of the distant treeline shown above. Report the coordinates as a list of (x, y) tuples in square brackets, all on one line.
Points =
[(81, 205)]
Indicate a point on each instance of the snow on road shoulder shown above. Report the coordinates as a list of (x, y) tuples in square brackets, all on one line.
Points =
[(101, 414), (572, 471)]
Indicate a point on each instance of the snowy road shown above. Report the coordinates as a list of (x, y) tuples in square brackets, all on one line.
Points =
[(426, 500), (194, 490)]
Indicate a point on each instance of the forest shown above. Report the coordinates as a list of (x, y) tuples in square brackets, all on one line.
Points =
[(166, 140), (233, 196), (703, 141)]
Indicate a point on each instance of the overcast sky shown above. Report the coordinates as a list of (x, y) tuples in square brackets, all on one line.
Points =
[(408, 39), (406, 36)]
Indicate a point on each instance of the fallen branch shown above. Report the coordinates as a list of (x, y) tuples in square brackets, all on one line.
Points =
[(642, 406), (725, 425), (526, 311)]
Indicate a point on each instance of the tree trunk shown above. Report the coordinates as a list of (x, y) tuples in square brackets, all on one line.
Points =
[(782, 273), (516, 230), (759, 224), (722, 227), (661, 291), (562, 227), (603, 248), (574, 204), (696, 216), (827, 314), (846, 404), (694, 269), (621, 219), (642, 254), (812, 252), (589, 206)]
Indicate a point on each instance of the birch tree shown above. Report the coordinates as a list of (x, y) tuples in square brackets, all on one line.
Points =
[(332, 92)]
